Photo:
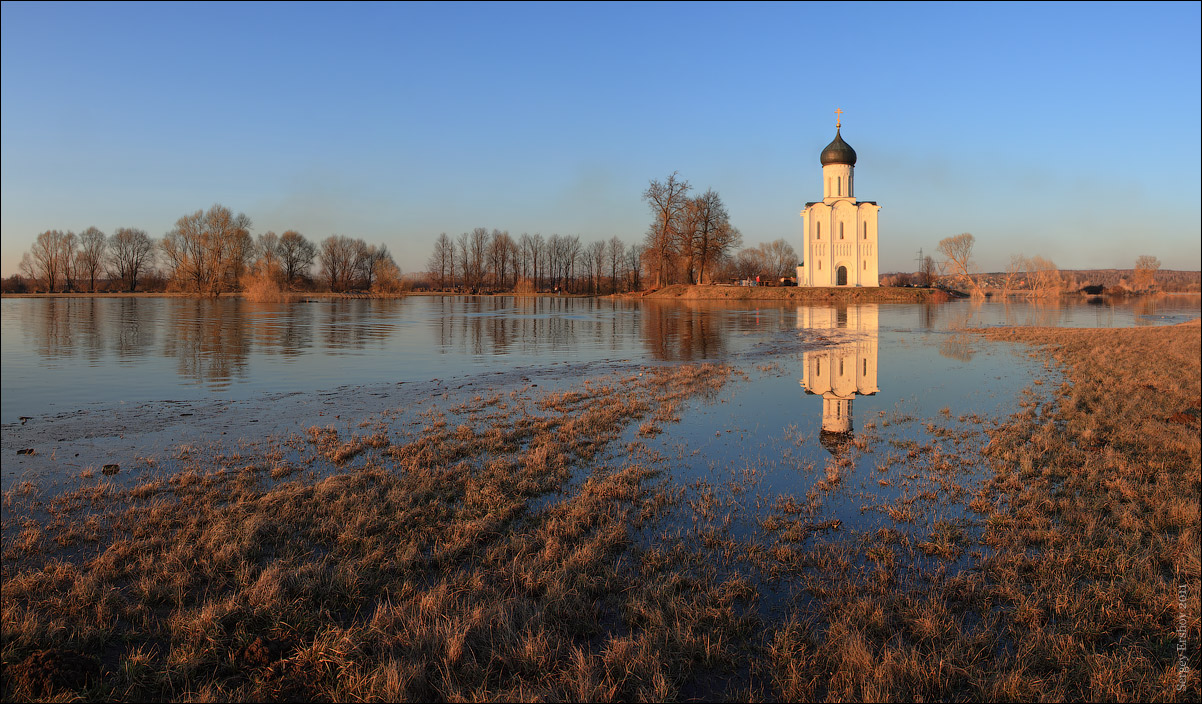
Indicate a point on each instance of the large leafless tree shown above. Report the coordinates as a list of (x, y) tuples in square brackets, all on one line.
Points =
[(1145, 272), (208, 251), (49, 256), (441, 265), (957, 254), (130, 255), (668, 201), (92, 246), (338, 261), (297, 255), (713, 236)]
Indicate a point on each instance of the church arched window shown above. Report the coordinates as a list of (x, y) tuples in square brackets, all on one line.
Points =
[(840, 230), (839, 183), (865, 230), (819, 230)]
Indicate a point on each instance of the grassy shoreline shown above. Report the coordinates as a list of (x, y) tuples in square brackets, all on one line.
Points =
[(516, 553)]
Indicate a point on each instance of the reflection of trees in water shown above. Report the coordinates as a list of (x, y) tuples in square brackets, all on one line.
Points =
[(279, 328), (1144, 310), (208, 339), (87, 327), (681, 332), (493, 325), (135, 326), (52, 320), (928, 315), (352, 324)]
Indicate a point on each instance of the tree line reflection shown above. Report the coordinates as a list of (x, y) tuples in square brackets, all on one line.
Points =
[(212, 341)]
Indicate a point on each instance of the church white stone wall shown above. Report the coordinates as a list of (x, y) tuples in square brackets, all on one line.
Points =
[(840, 232)]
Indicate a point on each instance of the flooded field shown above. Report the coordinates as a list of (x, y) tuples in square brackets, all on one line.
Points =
[(591, 499), (64, 355)]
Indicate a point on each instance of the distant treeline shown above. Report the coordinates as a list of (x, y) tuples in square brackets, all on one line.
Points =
[(207, 253), (1037, 276), (690, 240)]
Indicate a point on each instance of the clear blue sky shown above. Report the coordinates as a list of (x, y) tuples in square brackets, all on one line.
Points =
[(1065, 130)]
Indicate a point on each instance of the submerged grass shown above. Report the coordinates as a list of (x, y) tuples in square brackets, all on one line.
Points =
[(532, 547)]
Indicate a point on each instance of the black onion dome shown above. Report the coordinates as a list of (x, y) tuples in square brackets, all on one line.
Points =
[(838, 152)]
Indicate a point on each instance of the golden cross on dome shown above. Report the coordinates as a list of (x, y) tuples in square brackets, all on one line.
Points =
[(838, 115)]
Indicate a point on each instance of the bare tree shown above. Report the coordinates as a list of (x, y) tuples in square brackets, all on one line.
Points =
[(463, 252), (478, 255), (615, 250), (667, 201), (570, 259), (92, 244), (957, 253), (442, 259), (338, 258), (634, 265), (928, 269), (48, 256), (388, 275), (713, 235), (1014, 270), (501, 250), (1045, 276), (296, 255), (29, 269), (594, 259), (208, 251), (780, 259), (749, 263), (267, 248), (131, 253), (686, 235), (69, 252), (1145, 272)]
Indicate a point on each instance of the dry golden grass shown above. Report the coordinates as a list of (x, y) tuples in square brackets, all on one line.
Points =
[(502, 551), (486, 561)]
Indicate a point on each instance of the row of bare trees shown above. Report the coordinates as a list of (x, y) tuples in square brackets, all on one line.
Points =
[(494, 260), (207, 253), (484, 260), (690, 240), (66, 261)]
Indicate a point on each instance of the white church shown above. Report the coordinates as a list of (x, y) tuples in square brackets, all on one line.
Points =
[(840, 232)]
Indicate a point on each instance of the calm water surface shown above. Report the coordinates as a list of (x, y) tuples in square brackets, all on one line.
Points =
[(61, 355), (824, 399)]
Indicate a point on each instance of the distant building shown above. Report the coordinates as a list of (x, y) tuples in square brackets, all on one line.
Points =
[(840, 232)]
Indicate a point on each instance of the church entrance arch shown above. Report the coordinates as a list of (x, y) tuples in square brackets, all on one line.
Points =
[(841, 276)]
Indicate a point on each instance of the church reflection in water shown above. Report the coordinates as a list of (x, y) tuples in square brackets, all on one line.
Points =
[(841, 370)]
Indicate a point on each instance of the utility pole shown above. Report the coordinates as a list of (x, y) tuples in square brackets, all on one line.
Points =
[(919, 270)]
